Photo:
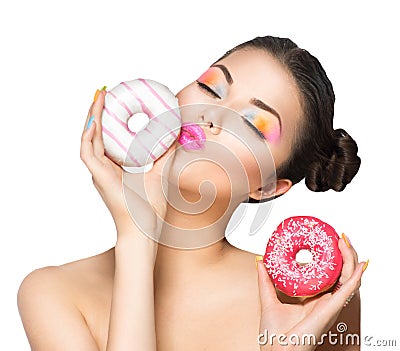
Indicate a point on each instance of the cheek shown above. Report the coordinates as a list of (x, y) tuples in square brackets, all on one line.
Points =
[(252, 160), (258, 159), (252, 169), (282, 149)]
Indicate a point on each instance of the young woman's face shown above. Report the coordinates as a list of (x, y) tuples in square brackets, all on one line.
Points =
[(247, 105)]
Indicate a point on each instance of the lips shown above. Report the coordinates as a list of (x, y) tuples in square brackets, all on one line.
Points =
[(192, 136)]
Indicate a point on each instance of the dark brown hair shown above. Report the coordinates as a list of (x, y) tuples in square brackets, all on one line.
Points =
[(325, 157)]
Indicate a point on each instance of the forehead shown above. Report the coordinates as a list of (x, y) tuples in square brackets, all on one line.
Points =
[(256, 73)]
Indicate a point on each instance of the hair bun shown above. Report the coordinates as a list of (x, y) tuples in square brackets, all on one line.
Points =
[(336, 171)]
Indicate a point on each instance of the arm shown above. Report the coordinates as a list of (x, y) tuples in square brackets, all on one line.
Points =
[(132, 324), (50, 317), (52, 321)]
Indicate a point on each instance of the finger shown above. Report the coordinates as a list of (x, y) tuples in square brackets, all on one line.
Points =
[(348, 243), (349, 263), (88, 117), (163, 164), (265, 286), (159, 175), (349, 287), (87, 151), (322, 318), (89, 114), (97, 110)]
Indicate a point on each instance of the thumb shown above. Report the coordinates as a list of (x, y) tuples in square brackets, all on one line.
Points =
[(163, 164), (265, 286)]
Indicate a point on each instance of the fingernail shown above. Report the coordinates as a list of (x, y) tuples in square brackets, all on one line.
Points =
[(365, 265), (258, 258), (96, 95), (346, 240), (104, 88), (90, 122)]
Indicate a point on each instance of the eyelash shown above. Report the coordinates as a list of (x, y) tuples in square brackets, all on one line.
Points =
[(253, 127), (208, 90), (212, 93)]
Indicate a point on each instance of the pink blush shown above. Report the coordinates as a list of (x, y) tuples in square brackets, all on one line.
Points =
[(273, 135), (269, 128)]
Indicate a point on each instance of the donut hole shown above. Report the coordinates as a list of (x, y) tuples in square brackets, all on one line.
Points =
[(304, 257), (138, 122)]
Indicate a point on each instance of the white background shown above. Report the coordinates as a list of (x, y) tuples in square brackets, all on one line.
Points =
[(54, 55)]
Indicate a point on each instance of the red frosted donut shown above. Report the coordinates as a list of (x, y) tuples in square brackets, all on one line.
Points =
[(296, 236)]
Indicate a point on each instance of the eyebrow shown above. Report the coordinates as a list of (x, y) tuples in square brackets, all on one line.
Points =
[(258, 103), (226, 73)]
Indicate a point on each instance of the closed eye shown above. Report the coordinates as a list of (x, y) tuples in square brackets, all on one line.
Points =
[(254, 128), (208, 90)]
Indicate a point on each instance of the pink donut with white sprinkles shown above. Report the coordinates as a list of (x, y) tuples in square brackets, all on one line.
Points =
[(302, 256), (155, 124)]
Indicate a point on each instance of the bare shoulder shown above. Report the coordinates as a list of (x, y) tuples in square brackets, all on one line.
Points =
[(93, 269), (67, 278), (51, 302)]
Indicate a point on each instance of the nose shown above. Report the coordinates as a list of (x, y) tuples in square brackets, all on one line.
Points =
[(211, 117)]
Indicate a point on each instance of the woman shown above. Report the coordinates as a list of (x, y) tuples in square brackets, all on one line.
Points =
[(141, 295)]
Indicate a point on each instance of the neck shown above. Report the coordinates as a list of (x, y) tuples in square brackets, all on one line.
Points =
[(192, 242)]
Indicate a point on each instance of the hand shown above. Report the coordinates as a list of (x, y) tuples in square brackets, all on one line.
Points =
[(106, 175), (311, 316), (146, 194), (143, 192)]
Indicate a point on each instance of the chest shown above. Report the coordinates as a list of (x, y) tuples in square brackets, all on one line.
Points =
[(191, 318)]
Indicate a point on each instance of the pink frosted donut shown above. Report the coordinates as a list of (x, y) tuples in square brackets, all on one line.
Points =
[(156, 122), (307, 276)]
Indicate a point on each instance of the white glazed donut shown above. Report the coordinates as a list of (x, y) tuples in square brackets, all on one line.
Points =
[(131, 99)]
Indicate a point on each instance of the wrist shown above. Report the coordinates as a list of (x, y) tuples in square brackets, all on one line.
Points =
[(131, 238), (123, 222)]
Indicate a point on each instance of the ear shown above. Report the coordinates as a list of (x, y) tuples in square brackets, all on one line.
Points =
[(271, 190)]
